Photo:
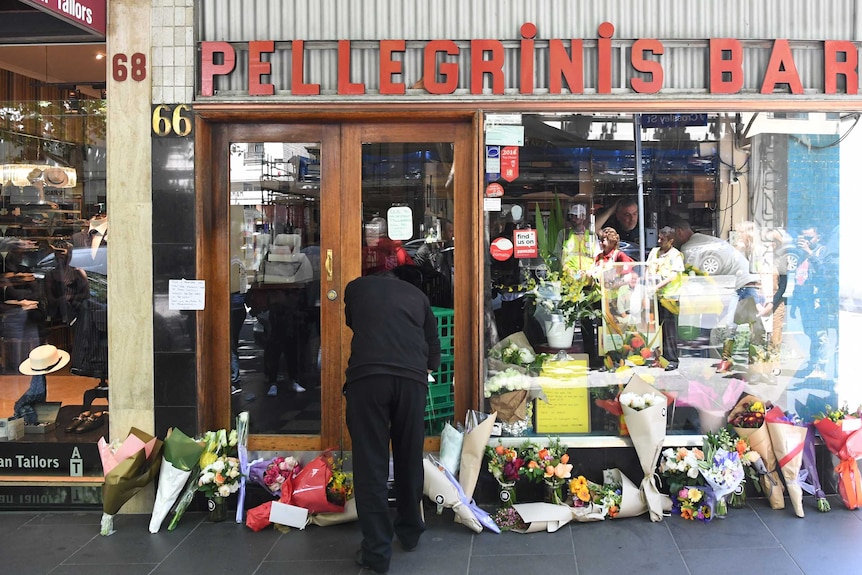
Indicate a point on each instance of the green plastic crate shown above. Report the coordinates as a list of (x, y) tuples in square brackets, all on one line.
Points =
[(440, 403), (445, 328)]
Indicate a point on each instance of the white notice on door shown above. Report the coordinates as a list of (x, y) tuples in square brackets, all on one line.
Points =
[(186, 294)]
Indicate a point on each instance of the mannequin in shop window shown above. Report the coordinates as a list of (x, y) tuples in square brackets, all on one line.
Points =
[(90, 328), (96, 234)]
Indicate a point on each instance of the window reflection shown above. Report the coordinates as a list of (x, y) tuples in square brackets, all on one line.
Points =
[(752, 202), (275, 285)]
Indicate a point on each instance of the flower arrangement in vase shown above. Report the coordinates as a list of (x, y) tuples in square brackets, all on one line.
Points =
[(549, 465)]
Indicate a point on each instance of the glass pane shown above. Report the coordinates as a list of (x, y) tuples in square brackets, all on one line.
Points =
[(408, 219), (752, 201), (53, 255), (275, 285)]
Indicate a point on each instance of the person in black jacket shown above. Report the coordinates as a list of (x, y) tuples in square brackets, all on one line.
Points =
[(394, 348)]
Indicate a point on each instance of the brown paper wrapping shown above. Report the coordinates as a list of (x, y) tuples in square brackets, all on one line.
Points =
[(759, 440), (510, 406), (473, 454), (785, 438), (648, 428)]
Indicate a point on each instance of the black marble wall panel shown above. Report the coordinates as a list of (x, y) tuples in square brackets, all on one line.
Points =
[(174, 338)]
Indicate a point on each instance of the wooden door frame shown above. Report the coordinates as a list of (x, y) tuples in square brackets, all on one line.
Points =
[(340, 232)]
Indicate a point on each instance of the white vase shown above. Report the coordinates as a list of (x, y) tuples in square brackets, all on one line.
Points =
[(559, 336)]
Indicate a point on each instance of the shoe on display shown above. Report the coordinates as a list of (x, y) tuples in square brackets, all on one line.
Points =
[(296, 387), (273, 390)]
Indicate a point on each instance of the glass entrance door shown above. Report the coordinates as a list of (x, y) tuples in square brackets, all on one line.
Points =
[(411, 204), (296, 212)]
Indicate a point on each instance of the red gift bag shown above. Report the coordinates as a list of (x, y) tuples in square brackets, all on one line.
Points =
[(309, 488)]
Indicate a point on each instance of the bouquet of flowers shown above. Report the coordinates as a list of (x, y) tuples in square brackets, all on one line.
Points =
[(515, 350), (646, 419), (809, 468), (220, 478), (751, 461), (506, 465), (636, 348), (722, 470), (274, 473), (339, 488), (510, 394), (694, 503), (841, 431), (681, 466), (748, 419), (589, 503), (548, 464), (216, 444), (788, 441), (508, 519)]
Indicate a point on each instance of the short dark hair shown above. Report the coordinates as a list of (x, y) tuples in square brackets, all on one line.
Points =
[(626, 202)]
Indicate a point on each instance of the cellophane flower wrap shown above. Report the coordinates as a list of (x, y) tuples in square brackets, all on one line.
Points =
[(841, 431), (322, 486), (180, 456), (694, 503), (273, 474), (646, 418), (722, 470), (788, 442), (748, 419), (216, 444), (752, 463)]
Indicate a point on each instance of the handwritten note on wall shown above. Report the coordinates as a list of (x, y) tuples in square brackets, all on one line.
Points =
[(186, 294)]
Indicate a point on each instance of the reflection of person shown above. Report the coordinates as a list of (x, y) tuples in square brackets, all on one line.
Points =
[(807, 296), (575, 246), (439, 257), (42, 360), (664, 264), (610, 254), (379, 252), (623, 217), (287, 330), (394, 348), (782, 242)]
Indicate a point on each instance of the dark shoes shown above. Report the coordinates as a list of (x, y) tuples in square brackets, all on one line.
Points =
[(77, 421), (671, 366), (87, 421), (361, 562)]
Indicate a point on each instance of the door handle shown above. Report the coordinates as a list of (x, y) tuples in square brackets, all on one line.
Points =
[(328, 265)]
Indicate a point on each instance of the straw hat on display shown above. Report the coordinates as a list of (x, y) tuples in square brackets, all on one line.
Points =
[(56, 177), (43, 360)]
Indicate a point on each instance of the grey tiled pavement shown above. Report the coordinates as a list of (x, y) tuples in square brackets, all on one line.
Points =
[(754, 539)]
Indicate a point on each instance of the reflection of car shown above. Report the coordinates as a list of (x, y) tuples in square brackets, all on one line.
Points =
[(631, 249), (83, 258), (714, 256), (413, 246)]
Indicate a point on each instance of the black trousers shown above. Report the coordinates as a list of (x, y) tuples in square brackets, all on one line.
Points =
[(381, 409), (670, 349)]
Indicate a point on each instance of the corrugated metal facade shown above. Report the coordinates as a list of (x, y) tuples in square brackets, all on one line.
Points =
[(683, 26)]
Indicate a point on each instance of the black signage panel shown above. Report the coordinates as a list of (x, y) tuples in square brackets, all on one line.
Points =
[(54, 459)]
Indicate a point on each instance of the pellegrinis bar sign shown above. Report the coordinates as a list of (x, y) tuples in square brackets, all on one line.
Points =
[(566, 60)]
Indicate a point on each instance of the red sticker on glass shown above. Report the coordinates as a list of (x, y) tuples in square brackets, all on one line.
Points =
[(501, 249)]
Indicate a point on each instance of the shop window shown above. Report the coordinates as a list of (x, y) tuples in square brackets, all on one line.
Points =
[(758, 305), (53, 254)]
